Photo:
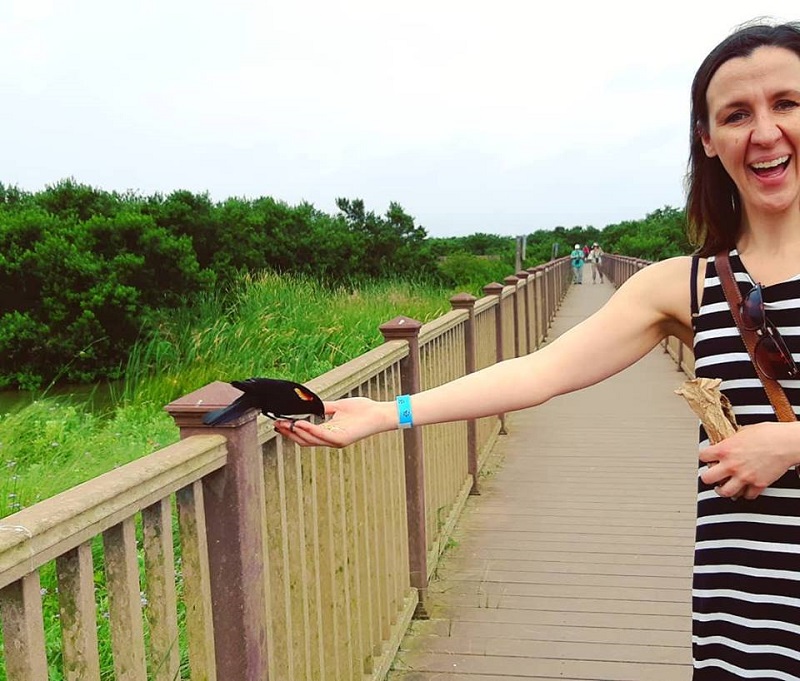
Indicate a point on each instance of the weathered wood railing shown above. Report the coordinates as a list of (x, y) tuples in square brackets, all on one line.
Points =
[(618, 268), (293, 563)]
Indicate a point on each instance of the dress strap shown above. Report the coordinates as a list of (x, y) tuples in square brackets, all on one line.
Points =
[(693, 287)]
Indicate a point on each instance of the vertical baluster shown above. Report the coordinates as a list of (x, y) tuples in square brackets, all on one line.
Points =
[(161, 608), (78, 613), (23, 629), (124, 601)]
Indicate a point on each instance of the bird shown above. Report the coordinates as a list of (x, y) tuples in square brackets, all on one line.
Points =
[(275, 398)]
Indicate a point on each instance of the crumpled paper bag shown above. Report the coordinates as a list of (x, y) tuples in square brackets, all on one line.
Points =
[(712, 407)]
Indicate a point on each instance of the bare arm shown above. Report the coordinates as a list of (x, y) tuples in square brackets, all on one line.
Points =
[(652, 304)]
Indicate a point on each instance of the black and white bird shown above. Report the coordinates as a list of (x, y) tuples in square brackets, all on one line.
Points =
[(273, 397)]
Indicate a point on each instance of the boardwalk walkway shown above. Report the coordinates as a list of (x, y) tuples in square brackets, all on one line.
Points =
[(575, 561)]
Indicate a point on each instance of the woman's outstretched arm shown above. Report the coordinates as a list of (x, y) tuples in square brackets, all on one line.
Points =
[(646, 308)]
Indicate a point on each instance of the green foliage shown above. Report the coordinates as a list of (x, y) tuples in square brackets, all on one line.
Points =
[(270, 325), (85, 272), (480, 243), (284, 327), (75, 294), (470, 273), (661, 234), (393, 239)]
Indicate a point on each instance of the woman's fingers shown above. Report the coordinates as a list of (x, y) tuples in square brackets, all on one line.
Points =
[(752, 492), (713, 474), (730, 488), (308, 434)]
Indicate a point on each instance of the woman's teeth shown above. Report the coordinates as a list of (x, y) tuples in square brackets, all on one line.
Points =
[(774, 163)]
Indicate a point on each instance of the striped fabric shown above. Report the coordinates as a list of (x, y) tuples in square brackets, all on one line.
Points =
[(746, 588)]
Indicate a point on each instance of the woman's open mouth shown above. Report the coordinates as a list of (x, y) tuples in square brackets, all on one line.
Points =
[(771, 168)]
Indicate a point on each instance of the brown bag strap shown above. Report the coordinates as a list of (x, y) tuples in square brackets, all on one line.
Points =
[(777, 398)]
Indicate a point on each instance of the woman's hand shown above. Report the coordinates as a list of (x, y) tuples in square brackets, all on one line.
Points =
[(352, 419), (746, 463)]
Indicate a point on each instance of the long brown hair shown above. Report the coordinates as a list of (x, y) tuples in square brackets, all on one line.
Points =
[(713, 206)]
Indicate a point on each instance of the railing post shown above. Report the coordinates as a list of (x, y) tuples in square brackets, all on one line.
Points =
[(465, 301), (525, 324), (235, 512), (512, 281), (495, 289), (538, 307), (548, 295), (404, 328)]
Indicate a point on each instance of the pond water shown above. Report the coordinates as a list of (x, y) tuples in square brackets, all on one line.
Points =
[(98, 395)]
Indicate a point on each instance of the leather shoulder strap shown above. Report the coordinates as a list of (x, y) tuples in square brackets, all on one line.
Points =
[(777, 398), (695, 306)]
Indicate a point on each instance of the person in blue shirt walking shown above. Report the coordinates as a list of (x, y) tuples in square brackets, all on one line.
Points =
[(577, 256)]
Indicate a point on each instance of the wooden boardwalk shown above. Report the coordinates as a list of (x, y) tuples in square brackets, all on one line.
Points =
[(575, 561)]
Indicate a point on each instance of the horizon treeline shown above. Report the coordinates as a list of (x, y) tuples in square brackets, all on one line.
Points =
[(85, 272)]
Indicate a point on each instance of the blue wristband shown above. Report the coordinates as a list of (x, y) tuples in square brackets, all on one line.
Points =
[(404, 418)]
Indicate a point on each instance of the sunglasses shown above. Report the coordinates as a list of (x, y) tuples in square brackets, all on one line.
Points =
[(771, 354)]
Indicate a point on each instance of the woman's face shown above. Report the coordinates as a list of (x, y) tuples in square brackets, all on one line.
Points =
[(754, 128)]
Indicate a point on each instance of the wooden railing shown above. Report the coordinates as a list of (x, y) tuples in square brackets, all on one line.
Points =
[(619, 268), (291, 563)]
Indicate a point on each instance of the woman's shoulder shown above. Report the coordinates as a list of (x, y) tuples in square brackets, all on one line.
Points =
[(665, 285), (673, 267)]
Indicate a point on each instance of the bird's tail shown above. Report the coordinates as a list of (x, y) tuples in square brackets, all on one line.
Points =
[(220, 416)]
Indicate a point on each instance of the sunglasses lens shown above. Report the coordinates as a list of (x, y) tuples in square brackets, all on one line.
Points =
[(752, 308), (774, 359)]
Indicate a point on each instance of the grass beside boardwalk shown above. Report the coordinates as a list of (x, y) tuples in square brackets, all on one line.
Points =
[(282, 327)]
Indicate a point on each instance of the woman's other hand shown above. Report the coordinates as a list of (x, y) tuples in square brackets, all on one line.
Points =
[(746, 463)]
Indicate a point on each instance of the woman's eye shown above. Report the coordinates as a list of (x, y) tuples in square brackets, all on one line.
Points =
[(786, 104), (735, 117)]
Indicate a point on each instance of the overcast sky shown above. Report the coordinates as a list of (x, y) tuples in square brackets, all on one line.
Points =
[(497, 116)]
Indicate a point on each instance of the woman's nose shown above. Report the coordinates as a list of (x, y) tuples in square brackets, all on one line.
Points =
[(766, 131)]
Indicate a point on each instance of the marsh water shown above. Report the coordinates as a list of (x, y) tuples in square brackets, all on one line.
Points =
[(99, 396)]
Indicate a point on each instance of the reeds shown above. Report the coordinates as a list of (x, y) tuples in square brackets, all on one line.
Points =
[(268, 325)]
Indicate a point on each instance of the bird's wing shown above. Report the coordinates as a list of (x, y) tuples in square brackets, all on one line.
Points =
[(230, 413)]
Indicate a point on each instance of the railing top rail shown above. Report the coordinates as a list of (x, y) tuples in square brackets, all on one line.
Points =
[(628, 258), (50, 528), (483, 304), (441, 325), (340, 380), (508, 290)]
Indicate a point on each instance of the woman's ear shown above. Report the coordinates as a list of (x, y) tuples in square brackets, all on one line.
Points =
[(705, 139)]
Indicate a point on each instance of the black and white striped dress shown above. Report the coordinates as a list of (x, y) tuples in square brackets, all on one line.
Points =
[(746, 589)]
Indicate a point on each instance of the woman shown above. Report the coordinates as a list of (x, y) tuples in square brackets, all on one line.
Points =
[(596, 258), (744, 196)]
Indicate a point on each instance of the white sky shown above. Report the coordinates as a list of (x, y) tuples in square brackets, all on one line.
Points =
[(498, 116)]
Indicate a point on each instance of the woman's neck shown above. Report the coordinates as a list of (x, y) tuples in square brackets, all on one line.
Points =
[(770, 235), (770, 246)]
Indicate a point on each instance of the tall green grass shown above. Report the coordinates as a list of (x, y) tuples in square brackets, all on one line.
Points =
[(283, 327), (268, 325)]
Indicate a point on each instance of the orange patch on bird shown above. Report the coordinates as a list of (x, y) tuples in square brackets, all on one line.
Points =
[(304, 395)]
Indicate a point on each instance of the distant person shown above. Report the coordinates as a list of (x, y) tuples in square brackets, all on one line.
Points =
[(596, 259), (586, 251), (576, 259), (743, 206)]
